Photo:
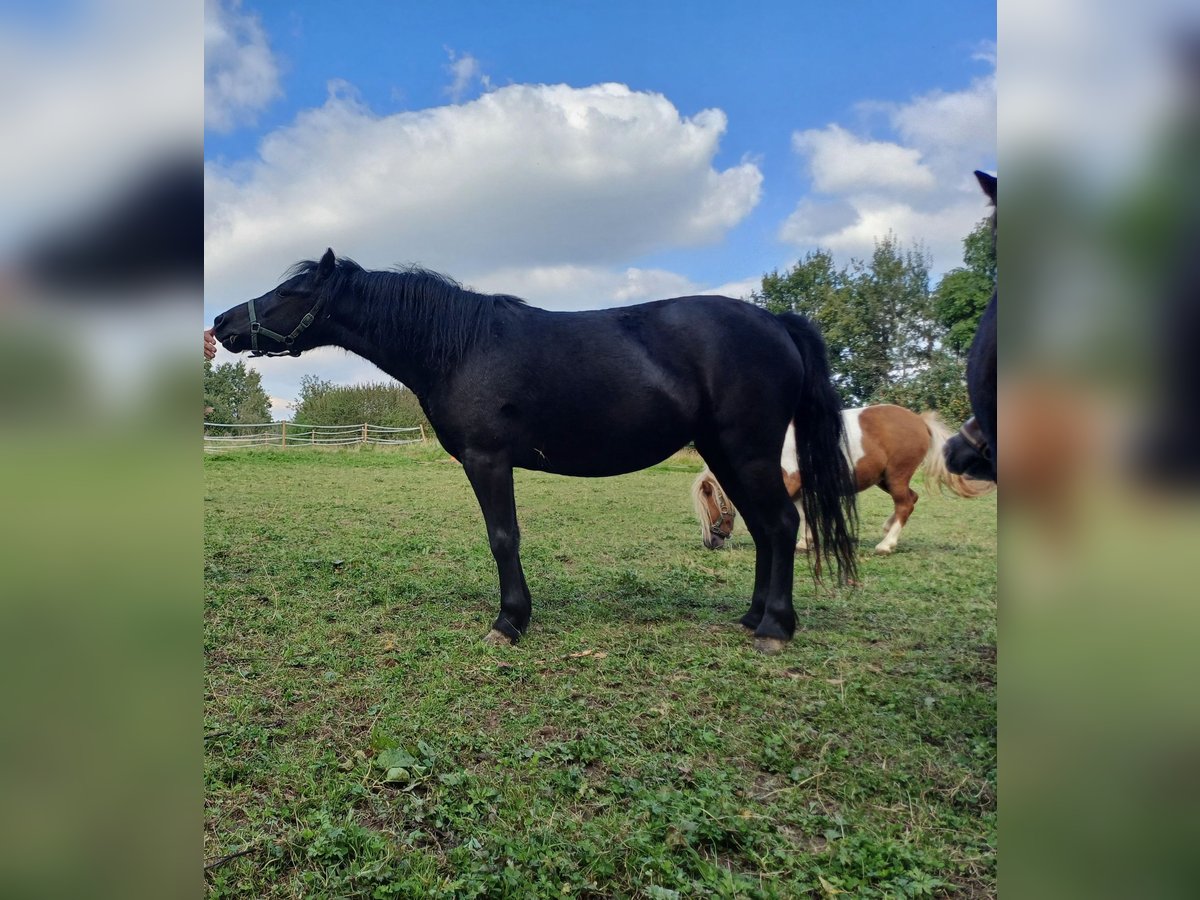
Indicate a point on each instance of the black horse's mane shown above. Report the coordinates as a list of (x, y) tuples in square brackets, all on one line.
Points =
[(410, 304)]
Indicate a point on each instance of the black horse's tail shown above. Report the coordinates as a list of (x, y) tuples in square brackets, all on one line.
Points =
[(827, 488)]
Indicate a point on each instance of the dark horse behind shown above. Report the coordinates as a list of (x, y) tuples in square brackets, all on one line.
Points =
[(972, 452), (590, 394)]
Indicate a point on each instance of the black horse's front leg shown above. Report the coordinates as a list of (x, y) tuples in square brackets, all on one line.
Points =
[(492, 479)]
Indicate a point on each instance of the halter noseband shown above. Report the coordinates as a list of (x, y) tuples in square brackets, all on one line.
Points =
[(973, 435), (256, 329), (724, 512)]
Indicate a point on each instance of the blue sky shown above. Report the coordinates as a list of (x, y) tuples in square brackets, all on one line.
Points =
[(728, 140)]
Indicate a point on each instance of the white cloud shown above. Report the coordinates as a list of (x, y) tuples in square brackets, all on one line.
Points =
[(241, 75), (954, 131), (739, 290), (526, 177), (839, 161), (466, 72), (985, 52), (919, 187), (281, 408), (940, 230), (573, 287)]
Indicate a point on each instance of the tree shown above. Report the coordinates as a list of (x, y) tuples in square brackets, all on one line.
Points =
[(311, 389), (940, 385), (963, 293), (875, 316), (809, 288), (235, 394), (389, 404), (886, 323), (814, 288)]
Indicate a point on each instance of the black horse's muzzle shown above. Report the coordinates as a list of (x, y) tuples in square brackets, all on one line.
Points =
[(968, 454), (233, 341)]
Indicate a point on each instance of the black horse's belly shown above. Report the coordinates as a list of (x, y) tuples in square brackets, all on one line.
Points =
[(585, 402), (600, 459), (623, 435)]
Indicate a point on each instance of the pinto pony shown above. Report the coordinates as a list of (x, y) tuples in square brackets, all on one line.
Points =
[(885, 445), (589, 394)]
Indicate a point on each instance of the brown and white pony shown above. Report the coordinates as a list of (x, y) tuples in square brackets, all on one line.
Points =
[(885, 445)]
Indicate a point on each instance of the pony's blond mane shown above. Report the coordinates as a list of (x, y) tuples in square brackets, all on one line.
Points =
[(935, 462), (700, 505)]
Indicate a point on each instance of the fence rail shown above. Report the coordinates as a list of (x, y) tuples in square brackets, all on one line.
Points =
[(219, 437)]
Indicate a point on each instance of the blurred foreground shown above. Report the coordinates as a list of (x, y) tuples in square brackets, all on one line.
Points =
[(1100, 308), (100, 262)]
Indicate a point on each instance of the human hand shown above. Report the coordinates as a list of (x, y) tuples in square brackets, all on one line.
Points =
[(210, 344)]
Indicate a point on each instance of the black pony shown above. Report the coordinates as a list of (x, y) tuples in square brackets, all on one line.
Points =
[(589, 394), (972, 452)]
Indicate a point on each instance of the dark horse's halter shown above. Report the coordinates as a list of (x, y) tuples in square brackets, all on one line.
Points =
[(256, 328), (972, 434), (724, 512)]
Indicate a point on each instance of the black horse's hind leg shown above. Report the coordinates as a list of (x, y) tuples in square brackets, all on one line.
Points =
[(716, 460), (492, 480), (757, 489), (775, 532)]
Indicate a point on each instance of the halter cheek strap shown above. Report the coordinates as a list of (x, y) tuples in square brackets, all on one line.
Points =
[(256, 328), (973, 435), (723, 512)]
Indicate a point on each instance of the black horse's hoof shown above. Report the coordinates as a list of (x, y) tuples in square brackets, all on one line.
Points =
[(499, 638), (750, 622), (769, 646)]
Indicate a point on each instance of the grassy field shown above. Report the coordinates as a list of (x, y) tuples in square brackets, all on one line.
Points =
[(362, 741)]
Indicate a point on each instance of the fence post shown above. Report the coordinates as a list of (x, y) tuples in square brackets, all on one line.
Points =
[(285, 434), (422, 424), (364, 437)]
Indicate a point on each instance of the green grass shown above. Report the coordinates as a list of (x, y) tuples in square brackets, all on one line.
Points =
[(362, 741)]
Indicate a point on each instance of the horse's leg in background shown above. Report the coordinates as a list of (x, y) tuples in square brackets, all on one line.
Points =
[(492, 479), (889, 522), (791, 481), (802, 533), (904, 498)]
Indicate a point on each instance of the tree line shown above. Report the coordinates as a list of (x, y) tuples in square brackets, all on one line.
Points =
[(321, 402), (233, 394), (891, 339)]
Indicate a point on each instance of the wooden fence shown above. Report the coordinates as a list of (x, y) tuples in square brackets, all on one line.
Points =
[(219, 437)]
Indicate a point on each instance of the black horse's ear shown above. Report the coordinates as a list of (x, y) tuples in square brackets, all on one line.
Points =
[(988, 183), (326, 265)]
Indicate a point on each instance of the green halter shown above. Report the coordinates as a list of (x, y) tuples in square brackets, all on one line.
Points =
[(256, 329)]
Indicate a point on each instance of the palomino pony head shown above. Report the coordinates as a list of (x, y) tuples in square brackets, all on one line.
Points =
[(713, 509), (288, 318)]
